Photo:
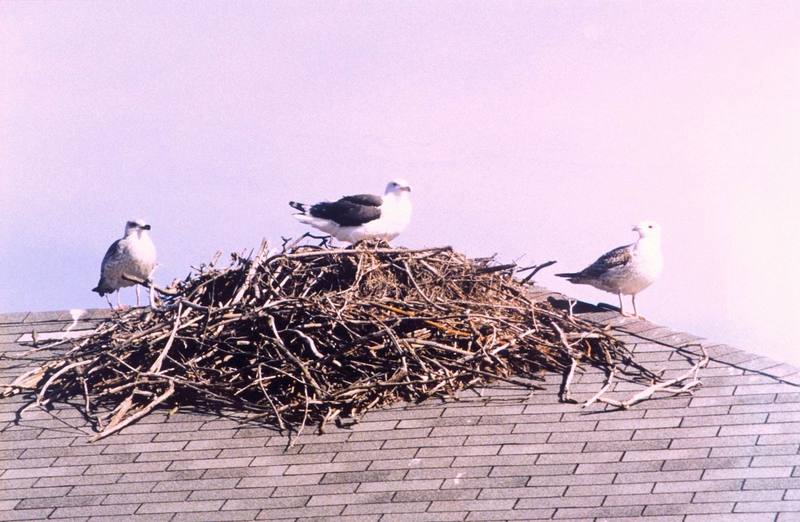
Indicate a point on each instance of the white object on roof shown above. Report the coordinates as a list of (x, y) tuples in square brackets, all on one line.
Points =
[(134, 254), (362, 216), (628, 269)]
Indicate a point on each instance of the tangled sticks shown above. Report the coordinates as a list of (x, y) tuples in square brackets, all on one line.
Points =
[(315, 334)]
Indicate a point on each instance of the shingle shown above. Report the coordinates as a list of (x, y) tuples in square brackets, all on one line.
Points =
[(539, 469), (59, 501), (767, 440), (766, 408), (559, 502), (386, 507), (470, 505), (122, 458), (387, 454), (209, 463), (479, 429), (375, 425), (733, 473), (521, 418), (225, 494), (150, 517), (214, 516), (550, 427), (722, 420), (707, 463), (142, 498), (516, 514), (599, 512), (426, 442), (567, 480), (518, 438), (400, 485), (716, 443), (453, 516), (738, 496), (252, 471), (299, 469), (264, 503), (458, 451), (561, 458), (522, 492), (636, 488), (772, 483), (194, 484), (690, 509), (335, 477), (648, 499), (164, 427), (94, 511), (319, 489), (620, 467), (299, 511), (108, 489), (591, 436), (698, 485), (44, 472), (658, 476), (335, 447), (71, 480), (676, 433), (627, 445), (145, 447), (784, 416), (23, 490), (180, 507), (352, 498), (436, 494), (187, 474), (61, 451), (753, 389), (283, 459), (671, 454), (732, 517), (761, 429), (26, 514), (412, 433)]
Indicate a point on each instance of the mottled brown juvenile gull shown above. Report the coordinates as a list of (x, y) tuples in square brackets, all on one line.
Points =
[(628, 269), (134, 255), (363, 216)]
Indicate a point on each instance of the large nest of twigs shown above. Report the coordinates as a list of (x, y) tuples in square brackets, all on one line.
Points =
[(314, 334)]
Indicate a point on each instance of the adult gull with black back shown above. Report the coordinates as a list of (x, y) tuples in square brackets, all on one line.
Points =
[(362, 216)]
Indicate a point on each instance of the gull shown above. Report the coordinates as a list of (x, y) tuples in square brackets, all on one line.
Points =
[(628, 269), (134, 255), (363, 216)]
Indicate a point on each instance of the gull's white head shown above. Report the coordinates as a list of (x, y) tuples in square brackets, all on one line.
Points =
[(398, 187), (648, 229), (136, 226)]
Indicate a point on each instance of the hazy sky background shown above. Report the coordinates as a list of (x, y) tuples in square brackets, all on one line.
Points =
[(536, 129)]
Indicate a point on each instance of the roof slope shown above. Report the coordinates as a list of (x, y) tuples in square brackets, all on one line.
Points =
[(729, 452)]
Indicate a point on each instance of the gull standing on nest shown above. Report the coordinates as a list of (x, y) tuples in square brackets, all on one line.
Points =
[(628, 269), (363, 216), (133, 255)]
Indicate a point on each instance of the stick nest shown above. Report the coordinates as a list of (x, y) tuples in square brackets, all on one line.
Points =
[(314, 334)]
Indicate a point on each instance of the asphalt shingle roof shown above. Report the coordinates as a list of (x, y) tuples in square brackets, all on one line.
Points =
[(729, 452)]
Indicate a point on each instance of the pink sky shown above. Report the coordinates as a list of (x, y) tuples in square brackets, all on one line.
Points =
[(535, 129)]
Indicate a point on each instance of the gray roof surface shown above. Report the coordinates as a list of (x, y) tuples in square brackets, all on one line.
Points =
[(729, 452)]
